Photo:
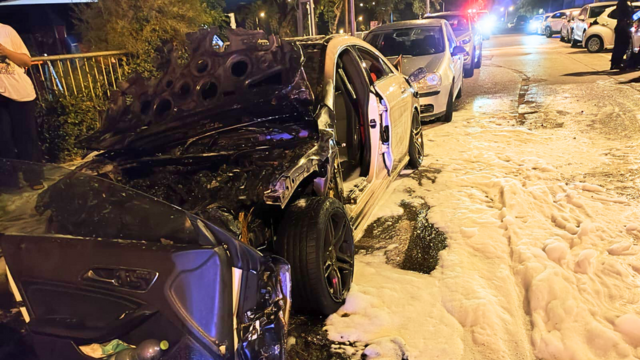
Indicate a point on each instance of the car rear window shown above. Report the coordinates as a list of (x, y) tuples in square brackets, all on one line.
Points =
[(414, 41), (595, 11), (459, 24)]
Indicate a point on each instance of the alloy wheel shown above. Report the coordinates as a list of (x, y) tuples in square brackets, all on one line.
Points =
[(594, 44), (417, 137), (338, 256)]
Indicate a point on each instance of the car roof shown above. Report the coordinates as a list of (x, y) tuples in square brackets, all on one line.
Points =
[(448, 13), (601, 3), (410, 23)]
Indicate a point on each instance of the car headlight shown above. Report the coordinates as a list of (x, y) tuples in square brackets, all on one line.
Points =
[(425, 81)]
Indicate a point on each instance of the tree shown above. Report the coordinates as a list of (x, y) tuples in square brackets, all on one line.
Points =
[(142, 26), (279, 16)]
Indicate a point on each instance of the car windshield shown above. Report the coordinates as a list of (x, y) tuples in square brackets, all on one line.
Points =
[(77, 204), (537, 18), (414, 41), (459, 24), (595, 11)]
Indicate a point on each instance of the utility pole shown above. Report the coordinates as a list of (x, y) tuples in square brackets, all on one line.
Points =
[(428, 7), (352, 17), (346, 16), (299, 18), (311, 17)]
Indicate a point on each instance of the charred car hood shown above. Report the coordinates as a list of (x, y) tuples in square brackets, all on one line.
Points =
[(217, 135)]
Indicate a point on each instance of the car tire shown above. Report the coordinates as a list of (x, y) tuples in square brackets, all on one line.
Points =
[(468, 71), (315, 263), (478, 63), (594, 44), (574, 42), (416, 142), (547, 32), (459, 93), (448, 115)]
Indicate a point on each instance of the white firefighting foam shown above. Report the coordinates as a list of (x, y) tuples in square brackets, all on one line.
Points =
[(536, 267)]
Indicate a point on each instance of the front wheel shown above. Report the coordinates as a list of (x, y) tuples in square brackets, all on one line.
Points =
[(416, 143), (595, 44), (478, 63), (547, 32), (574, 42), (448, 115), (316, 238)]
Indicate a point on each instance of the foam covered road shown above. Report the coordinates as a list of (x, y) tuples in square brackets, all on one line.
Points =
[(535, 185)]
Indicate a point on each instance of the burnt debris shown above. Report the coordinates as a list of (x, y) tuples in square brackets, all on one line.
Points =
[(214, 135)]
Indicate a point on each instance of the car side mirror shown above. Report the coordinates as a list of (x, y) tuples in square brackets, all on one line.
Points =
[(581, 17), (564, 18), (458, 50)]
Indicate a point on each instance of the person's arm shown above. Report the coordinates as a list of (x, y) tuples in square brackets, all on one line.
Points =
[(20, 59)]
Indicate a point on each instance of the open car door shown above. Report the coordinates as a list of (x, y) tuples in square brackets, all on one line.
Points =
[(92, 262)]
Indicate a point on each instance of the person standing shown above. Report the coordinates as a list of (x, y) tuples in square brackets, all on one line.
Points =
[(17, 101), (622, 34)]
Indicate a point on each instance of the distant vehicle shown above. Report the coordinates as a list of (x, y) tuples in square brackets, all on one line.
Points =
[(486, 23), (468, 36), (585, 18), (519, 23), (600, 34), (566, 30), (535, 24), (430, 57), (553, 24)]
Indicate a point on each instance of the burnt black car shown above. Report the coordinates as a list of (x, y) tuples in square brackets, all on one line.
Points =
[(285, 144), (91, 261)]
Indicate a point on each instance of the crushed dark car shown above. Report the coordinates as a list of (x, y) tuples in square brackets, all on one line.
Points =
[(91, 261), (280, 147)]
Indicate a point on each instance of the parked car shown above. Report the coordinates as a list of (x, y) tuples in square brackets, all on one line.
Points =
[(553, 24), (519, 23), (566, 31), (585, 18), (600, 34), (90, 262), (287, 144), (463, 26), (431, 59), (535, 24)]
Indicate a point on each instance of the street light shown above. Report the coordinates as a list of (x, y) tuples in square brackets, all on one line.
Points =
[(360, 18), (262, 14), (341, 31), (510, 8), (501, 9), (361, 4)]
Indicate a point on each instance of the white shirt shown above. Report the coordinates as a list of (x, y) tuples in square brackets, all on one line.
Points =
[(14, 82)]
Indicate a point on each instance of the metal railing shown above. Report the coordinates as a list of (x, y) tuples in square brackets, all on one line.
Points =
[(95, 73)]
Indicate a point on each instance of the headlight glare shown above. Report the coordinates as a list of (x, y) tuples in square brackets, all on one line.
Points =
[(425, 81)]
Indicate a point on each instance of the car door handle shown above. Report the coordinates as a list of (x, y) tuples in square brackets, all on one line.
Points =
[(93, 276), (403, 90), (373, 123)]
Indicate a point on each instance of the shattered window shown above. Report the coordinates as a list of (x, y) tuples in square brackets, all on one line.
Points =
[(314, 66)]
